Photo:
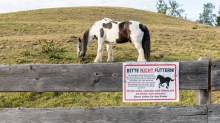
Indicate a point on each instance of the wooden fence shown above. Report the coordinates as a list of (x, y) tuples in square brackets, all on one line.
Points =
[(202, 75)]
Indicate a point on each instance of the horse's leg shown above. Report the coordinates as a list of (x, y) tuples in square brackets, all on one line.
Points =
[(110, 52), (99, 51), (161, 84), (167, 84), (141, 57)]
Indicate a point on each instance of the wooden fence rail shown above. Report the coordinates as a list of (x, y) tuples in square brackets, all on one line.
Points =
[(202, 75), (196, 114), (105, 77), (215, 75)]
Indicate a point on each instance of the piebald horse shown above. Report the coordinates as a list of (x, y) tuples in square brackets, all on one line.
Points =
[(108, 31)]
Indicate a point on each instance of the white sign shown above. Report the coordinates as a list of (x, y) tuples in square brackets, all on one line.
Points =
[(151, 82)]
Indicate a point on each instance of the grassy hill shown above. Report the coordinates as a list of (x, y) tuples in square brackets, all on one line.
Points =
[(49, 36)]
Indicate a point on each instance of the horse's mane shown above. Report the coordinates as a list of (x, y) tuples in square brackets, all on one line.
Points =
[(160, 76), (85, 41), (104, 19)]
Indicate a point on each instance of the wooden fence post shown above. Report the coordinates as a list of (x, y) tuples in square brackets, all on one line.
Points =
[(204, 96)]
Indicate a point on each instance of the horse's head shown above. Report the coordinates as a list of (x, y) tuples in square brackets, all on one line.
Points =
[(83, 44), (158, 77), (81, 51)]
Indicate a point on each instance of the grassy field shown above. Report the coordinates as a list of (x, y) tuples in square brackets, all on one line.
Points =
[(49, 36)]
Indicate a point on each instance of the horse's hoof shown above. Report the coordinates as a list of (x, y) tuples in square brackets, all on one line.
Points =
[(109, 61), (144, 60), (97, 61)]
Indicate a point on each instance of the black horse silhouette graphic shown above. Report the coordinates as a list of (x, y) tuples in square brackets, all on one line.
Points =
[(164, 80)]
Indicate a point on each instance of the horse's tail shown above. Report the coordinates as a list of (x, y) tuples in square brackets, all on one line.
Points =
[(171, 79), (146, 42)]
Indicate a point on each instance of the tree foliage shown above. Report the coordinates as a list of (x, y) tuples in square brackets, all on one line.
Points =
[(218, 18), (161, 7), (207, 17), (172, 9)]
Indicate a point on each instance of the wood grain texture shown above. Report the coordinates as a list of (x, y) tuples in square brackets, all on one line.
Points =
[(180, 114), (194, 75), (105, 77), (204, 96), (213, 113), (216, 75)]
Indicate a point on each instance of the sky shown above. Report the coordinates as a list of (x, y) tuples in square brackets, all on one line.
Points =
[(192, 7)]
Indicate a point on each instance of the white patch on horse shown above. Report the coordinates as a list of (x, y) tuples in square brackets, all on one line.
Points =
[(108, 31)]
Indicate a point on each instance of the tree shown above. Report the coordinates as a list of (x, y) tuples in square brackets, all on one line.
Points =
[(218, 18), (161, 7), (173, 9), (207, 17)]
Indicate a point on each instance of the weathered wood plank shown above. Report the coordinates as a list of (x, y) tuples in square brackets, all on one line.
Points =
[(106, 115), (213, 113), (61, 77), (216, 75), (194, 75), (86, 77), (204, 96)]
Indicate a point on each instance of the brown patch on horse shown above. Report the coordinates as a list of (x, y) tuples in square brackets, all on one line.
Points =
[(107, 25), (101, 32), (124, 32)]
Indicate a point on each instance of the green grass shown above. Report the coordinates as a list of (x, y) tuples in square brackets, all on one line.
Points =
[(48, 36)]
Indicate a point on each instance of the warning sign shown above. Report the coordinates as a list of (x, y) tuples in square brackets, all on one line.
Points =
[(151, 82)]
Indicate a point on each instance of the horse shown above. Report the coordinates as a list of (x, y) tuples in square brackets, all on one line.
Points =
[(164, 80), (109, 31)]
